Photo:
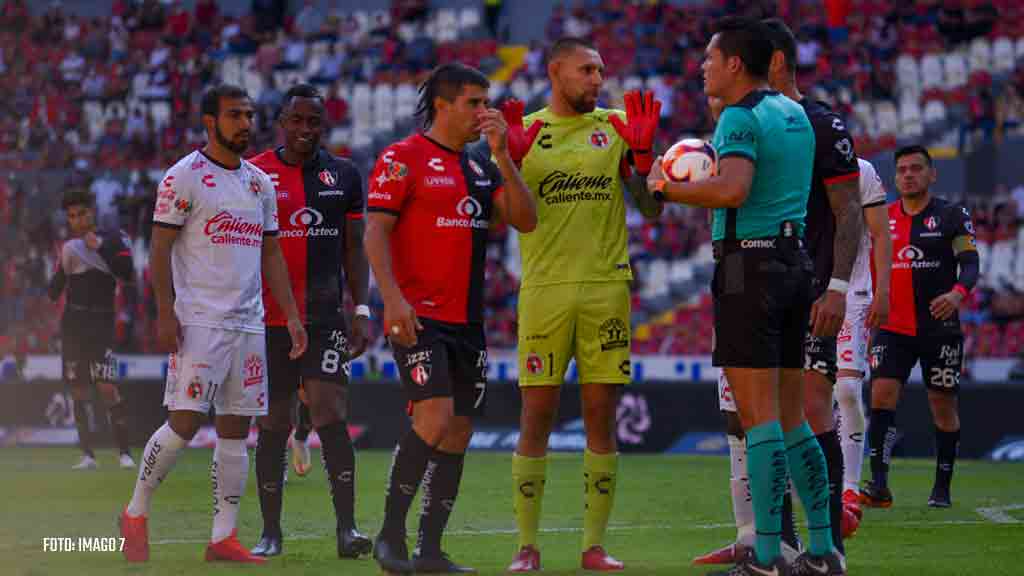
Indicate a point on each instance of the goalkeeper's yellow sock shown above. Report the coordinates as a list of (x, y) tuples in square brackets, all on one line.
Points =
[(528, 476), (599, 471)]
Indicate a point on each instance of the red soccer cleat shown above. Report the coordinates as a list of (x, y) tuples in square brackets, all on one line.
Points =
[(231, 550), (848, 524), (851, 501), (136, 537), (730, 554), (596, 558), (527, 560)]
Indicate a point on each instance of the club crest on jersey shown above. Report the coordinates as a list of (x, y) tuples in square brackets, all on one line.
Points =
[(420, 374), (254, 187), (328, 177), (931, 222), (534, 364), (598, 139)]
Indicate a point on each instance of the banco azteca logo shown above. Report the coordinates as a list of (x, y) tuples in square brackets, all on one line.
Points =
[(306, 216), (469, 207), (909, 253)]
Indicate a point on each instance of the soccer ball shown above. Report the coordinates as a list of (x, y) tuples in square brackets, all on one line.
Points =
[(690, 160)]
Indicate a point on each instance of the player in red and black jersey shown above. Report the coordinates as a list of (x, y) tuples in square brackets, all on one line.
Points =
[(92, 262), (934, 267), (320, 213), (431, 201)]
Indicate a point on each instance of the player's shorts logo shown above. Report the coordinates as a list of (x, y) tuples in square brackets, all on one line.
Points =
[(534, 364), (420, 374), (328, 177), (195, 388), (253, 370), (613, 334)]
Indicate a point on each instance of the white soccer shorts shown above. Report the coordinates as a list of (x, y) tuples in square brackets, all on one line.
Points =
[(852, 342), (227, 368)]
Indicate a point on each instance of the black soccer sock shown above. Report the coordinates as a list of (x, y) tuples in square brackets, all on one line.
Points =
[(829, 442), (82, 418), (340, 463), (947, 444), (303, 422), (407, 467), (790, 535), (440, 488), (118, 414), (881, 437), (270, 465)]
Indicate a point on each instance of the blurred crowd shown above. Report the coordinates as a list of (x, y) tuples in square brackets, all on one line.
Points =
[(144, 65)]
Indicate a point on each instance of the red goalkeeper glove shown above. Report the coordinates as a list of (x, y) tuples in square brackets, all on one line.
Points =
[(642, 114), (519, 139)]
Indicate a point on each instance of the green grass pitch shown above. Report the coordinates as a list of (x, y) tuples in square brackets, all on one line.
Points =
[(668, 509)]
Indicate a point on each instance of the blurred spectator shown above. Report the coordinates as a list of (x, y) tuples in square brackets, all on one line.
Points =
[(309, 20)]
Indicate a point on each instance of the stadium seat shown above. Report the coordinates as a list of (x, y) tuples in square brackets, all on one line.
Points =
[(934, 113), (656, 283), (361, 137), (362, 103), (862, 111), (980, 55), (160, 110), (497, 90), (1002, 55), (911, 125), (931, 72), (384, 107), (538, 87), (339, 136), (632, 83), (405, 100), (469, 19), (94, 118), (956, 70), (408, 32), (231, 70), (887, 118), (1019, 49), (908, 76), (363, 21), (520, 89), (253, 83)]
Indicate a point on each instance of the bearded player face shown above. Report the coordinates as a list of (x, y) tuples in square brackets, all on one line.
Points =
[(577, 77), (232, 126)]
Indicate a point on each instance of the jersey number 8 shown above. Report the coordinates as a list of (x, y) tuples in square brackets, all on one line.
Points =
[(331, 361)]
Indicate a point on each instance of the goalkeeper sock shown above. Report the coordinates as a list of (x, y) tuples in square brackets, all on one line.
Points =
[(528, 495), (599, 471), (739, 484), (810, 478), (158, 458), (766, 465)]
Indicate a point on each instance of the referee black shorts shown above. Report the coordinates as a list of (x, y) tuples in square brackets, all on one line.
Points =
[(761, 291)]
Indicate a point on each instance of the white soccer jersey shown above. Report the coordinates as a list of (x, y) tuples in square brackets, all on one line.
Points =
[(872, 193), (222, 216)]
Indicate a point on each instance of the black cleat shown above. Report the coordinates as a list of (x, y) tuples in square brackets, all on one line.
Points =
[(392, 554), (747, 565), (940, 497), (809, 565), (873, 496), (352, 544), (269, 545), (439, 565)]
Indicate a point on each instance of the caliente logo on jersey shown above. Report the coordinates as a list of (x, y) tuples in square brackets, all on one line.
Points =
[(226, 228)]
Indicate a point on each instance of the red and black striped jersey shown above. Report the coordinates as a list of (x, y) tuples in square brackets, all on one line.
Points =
[(444, 203), (924, 264), (314, 203)]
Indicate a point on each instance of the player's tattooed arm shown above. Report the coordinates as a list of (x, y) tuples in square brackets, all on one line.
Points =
[(844, 197), (645, 202)]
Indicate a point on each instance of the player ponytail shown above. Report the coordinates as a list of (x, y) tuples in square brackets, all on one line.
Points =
[(446, 81)]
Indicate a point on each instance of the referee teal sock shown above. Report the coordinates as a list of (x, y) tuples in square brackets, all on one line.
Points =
[(810, 478), (766, 467)]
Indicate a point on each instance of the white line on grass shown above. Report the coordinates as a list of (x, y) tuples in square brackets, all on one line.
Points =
[(998, 514), (613, 528)]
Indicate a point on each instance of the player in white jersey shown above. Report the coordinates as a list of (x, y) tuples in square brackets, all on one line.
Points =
[(867, 306), (214, 232)]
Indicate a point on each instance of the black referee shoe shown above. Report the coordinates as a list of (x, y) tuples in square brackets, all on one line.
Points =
[(439, 565), (391, 554), (352, 544), (940, 497), (269, 545)]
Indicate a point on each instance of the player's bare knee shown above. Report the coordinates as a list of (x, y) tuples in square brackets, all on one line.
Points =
[(460, 431), (431, 419), (885, 394), (278, 418), (732, 424), (233, 427), (185, 423), (944, 409), (108, 393)]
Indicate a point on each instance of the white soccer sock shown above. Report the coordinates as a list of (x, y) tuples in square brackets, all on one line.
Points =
[(851, 429), (229, 472), (158, 457), (739, 487)]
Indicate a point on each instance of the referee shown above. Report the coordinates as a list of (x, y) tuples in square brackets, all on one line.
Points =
[(761, 285)]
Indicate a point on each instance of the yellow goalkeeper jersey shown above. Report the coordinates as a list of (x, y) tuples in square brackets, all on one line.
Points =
[(573, 171)]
